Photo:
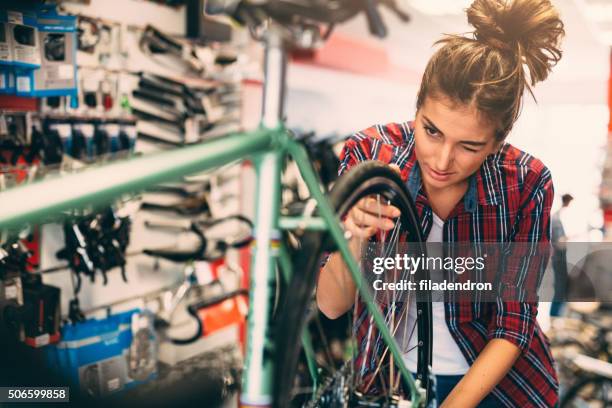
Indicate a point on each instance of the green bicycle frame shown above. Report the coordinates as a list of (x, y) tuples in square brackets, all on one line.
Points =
[(267, 147)]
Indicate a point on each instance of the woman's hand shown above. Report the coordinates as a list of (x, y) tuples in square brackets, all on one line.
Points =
[(370, 215), (491, 366), (335, 286)]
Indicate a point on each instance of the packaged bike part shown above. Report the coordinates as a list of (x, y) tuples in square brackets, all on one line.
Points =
[(11, 295), (6, 56), (128, 134), (57, 39), (7, 77), (101, 138), (83, 137), (23, 39), (57, 75), (105, 356), (44, 329), (7, 80), (39, 317), (222, 311), (112, 129), (25, 50), (142, 356), (11, 291), (64, 131), (44, 53)]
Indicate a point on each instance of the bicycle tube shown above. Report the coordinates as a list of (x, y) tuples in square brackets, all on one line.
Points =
[(365, 179)]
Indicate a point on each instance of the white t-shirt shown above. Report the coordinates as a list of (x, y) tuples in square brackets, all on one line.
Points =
[(447, 358)]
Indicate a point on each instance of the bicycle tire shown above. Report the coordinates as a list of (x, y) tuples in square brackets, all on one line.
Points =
[(362, 180)]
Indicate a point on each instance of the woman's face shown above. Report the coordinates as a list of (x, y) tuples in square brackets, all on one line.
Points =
[(451, 142)]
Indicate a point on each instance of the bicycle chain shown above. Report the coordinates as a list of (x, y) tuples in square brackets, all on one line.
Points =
[(327, 386)]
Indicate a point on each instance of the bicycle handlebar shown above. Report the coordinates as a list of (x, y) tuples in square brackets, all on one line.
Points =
[(317, 11), (204, 250)]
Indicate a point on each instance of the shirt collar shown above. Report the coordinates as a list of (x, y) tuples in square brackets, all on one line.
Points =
[(469, 200), (478, 191)]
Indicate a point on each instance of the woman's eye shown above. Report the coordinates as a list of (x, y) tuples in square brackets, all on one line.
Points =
[(431, 131)]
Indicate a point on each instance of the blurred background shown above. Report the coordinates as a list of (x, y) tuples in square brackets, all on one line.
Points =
[(109, 79)]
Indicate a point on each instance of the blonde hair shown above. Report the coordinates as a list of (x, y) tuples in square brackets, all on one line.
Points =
[(514, 45)]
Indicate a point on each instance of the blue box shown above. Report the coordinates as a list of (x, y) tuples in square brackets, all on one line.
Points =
[(104, 356), (52, 71), (57, 75)]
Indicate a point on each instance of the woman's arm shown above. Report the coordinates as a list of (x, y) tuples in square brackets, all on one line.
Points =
[(335, 287), (512, 324), (490, 367)]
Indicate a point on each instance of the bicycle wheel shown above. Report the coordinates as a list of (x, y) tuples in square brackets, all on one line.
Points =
[(595, 392), (350, 364)]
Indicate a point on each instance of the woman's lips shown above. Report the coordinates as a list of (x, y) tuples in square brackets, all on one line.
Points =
[(438, 175)]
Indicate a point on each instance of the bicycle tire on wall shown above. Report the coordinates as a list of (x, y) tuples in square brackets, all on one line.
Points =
[(365, 179)]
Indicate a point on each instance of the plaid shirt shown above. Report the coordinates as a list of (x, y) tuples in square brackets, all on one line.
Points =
[(508, 200)]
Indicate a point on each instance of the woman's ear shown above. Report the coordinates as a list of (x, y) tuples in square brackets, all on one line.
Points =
[(497, 145)]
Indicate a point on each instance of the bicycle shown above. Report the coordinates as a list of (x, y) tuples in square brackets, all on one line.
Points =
[(270, 378), (581, 346)]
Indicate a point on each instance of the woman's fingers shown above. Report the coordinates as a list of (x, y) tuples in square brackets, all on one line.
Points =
[(365, 219), (358, 231), (370, 215), (377, 208), (396, 169)]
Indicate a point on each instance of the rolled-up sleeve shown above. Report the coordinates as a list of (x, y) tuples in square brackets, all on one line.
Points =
[(516, 307), (357, 148)]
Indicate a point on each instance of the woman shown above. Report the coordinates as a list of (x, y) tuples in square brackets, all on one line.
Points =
[(470, 185)]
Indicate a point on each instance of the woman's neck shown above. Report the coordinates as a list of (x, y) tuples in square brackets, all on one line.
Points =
[(443, 201)]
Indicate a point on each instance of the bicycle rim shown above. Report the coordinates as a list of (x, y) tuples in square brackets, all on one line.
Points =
[(343, 376)]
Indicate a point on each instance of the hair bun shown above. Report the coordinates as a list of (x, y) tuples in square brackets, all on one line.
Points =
[(531, 29)]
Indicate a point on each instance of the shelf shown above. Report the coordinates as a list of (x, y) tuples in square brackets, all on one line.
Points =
[(16, 104)]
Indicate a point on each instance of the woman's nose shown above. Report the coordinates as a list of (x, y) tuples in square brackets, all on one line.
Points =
[(445, 158)]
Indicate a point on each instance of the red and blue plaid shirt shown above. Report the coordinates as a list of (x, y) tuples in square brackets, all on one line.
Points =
[(508, 200)]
